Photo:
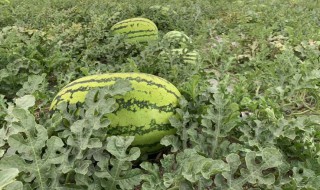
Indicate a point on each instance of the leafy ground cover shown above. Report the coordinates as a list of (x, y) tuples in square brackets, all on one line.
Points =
[(248, 119)]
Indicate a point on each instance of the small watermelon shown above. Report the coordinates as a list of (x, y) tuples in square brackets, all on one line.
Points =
[(176, 39), (189, 57), (136, 30)]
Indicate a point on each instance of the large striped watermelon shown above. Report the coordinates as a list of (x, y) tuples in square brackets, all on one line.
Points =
[(136, 30), (188, 56), (143, 112)]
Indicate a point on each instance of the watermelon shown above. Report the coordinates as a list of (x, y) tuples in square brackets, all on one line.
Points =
[(136, 30), (143, 112), (176, 39), (188, 56)]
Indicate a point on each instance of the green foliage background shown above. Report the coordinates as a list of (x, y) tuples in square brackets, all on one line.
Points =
[(248, 119)]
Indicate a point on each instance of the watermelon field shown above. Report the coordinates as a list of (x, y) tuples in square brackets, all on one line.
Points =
[(159, 95)]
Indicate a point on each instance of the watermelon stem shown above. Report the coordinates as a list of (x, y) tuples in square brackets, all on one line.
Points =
[(184, 139), (68, 178), (216, 133)]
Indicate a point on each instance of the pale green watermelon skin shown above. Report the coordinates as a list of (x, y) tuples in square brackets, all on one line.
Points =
[(177, 39), (136, 30), (143, 112), (188, 56)]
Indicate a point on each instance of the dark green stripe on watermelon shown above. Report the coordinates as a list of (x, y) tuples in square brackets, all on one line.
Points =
[(137, 79), (134, 21), (127, 105), (119, 28), (138, 130), (139, 31), (140, 36)]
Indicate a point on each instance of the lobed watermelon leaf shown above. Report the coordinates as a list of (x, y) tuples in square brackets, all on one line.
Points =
[(254, 173), (25, 102), (151, 180), (120, 173), (7, 177), (26, 154), (182, 171)]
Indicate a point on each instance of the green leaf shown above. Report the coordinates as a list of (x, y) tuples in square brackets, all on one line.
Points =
[(81, 135), (87, 182), (260, 170), (121, 87), (127, 181), (25, 102), (16, 185), (171, 140), (193, 165), (152, 180), (36, 135), (314, 183), (272, 157), (7, 176), (14, 160), (3, 106), (234, 162), (96, 103), (121, 173), (185, 185), (32, 152), (6, 1), (82, 166), (117, 146), (2, 152), (232, 181), (54, 153), (254, 171), (34, 83)]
